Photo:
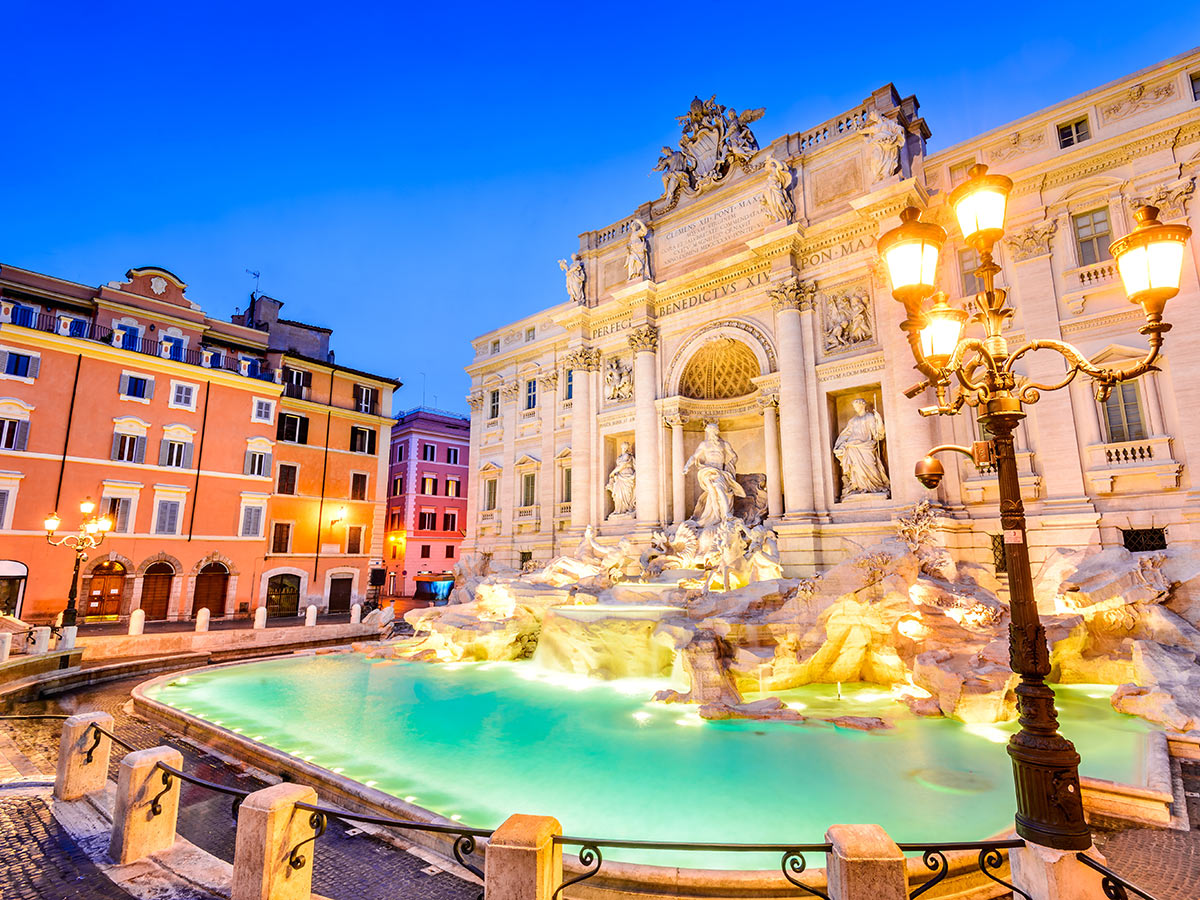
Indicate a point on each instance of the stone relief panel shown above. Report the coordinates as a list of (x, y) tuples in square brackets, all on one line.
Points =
[(1018, 144), (1138, 98), (618, 380), (847, 322), (837, 181)]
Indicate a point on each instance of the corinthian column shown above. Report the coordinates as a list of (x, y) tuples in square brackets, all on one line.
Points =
[(678, 485), (771, 446), (548, 401), (475, 401), (646, 427), (582, 362), (789, 299), (508, 478)]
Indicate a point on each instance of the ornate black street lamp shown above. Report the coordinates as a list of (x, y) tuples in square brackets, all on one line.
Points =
[(91, 534), (979, 372)]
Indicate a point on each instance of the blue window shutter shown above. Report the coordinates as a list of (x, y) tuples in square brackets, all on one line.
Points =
[(266, 464), (163, 450), (139, 451), (22, 435), (246, 463), (149, 388), (35, 364), (116, 445), (187, 455), (124, 388)]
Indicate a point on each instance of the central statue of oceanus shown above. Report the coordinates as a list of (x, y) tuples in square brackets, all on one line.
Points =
[(716, 465)]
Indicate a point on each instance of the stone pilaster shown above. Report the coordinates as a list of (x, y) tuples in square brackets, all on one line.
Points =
[(678, 482), (474, 497), (583, 361), (768, 402), (547, 475), (507, 500), (646, 427), (789, 298)]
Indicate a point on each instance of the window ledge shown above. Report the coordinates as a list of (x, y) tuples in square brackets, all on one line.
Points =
[(142, 400)]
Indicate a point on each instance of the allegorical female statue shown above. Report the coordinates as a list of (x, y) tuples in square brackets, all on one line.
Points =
[(857, 449), (776, 198), (716, 465), (576, 276), (637, 256), (621, 481)]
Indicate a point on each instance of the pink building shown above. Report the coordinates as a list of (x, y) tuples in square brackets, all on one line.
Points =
[(427, 499)]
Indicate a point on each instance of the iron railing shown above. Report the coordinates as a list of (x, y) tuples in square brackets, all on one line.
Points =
[(990, 858), (170, 772), (1114, 886), (792, 860)]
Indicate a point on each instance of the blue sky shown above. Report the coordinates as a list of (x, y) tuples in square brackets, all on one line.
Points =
[(408, 175)]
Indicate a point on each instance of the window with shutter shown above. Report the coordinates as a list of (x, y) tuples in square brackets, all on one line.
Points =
[(287, 479), (371, 442), (167, 518), (117, 509), (14, 434), (252, 521), (354, 539), (358, 486), (3, 508), (139, 449), (281, 537)]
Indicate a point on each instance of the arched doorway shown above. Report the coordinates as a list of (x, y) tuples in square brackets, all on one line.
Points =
[(12, 586), (283, 595), (156, 590), (107, 589), (211, 584)]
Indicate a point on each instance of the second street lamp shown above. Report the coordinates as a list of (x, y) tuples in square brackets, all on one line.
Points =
[(979, 371)]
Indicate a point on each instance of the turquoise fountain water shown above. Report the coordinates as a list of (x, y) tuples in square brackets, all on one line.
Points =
[(478, 741)]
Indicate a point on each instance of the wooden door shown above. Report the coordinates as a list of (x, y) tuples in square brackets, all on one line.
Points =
[(156, 590), (107, 589), (339, 594), (211, 585)]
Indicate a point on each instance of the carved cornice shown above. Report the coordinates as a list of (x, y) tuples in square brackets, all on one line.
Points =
[(676, 420), (1124, 317), (1031, 242), (768, 398), (859, 365), (585, 359), (644, 337), (792, 293)]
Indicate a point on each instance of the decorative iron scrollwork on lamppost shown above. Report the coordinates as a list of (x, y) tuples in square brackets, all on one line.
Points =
[(91, 534), (980, 372)]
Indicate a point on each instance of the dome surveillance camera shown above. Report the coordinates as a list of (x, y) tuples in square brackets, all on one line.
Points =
[(930, 472)]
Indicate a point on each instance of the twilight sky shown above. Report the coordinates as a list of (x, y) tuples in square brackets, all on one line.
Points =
[(409, 174)]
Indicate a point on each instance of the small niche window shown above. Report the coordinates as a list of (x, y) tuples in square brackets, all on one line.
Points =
[(494, 405), (1137, 540), (1074, 132)]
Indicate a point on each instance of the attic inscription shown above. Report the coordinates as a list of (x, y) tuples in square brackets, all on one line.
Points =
[(713, 230)]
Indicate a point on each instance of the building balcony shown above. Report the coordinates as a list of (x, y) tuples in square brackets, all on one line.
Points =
[(1121, 467), (80, 328), (527, 512), (1085, 281), (564, 510), (489, 517)]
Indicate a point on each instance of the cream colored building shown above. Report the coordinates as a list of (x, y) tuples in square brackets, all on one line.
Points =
[(717, 329)]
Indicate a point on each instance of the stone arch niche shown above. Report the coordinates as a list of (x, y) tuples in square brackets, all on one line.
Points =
[(719, 374)]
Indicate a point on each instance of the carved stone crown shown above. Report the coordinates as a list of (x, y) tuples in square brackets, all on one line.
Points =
[(792, 293), (644, 338), (1031, 242), (475, 401), (585, 359), (549, 381), (510, 390)]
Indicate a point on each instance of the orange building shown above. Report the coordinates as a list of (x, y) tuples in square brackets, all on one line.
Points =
[(178, 425)]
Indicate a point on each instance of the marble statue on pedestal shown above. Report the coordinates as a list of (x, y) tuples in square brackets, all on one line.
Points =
[(637, 255), (716, 465), (776, 198), (885, 136), (621, 482), (576, 276), (677, 171), (857, 449), (618, 380)]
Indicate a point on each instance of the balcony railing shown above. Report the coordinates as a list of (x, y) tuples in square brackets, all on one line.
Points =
[(82, 329), (1084, 281), (564, 510), (489, 515), (527, 512), (1150, 456)]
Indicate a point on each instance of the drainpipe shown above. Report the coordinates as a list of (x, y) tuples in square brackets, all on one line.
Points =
[(62, 466), (324, 471), (199, 457)]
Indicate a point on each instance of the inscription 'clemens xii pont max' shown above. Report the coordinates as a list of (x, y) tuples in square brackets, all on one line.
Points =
[(712, 230)]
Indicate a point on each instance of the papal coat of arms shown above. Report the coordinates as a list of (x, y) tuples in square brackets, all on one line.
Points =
[(715, 138)]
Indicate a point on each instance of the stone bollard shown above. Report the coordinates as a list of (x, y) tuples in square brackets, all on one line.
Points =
[(5, 645), (260, 617), (865, 862), (137, 622), (310, 616), (41, 640), (67, 641), (202, 617), (1046, 874), (76, 776), (268, 827), (355, 613), (137, 832), (522, 860)]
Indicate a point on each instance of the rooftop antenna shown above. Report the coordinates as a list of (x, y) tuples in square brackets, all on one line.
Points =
[(256, 275), (422, 388)]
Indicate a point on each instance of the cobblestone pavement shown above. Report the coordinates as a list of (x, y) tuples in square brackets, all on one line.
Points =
[(348, 864), (39, 861), (1161, 862)]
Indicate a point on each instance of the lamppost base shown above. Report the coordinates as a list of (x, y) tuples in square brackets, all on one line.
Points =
[(1049, 798)]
